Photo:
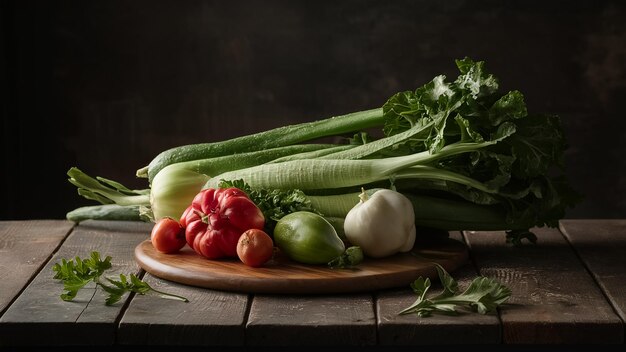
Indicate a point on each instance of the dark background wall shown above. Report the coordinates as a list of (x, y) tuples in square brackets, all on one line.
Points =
[(106, 85)]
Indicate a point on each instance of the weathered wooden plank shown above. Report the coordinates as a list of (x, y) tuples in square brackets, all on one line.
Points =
[(325, 320), (210, 317), (601, 244), (554, 299), (39, 312), (24, 247), (394, 329)]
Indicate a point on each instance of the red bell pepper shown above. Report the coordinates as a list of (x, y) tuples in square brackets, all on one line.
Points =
[(216, 219)]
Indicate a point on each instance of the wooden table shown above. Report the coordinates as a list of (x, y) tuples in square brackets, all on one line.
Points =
[(568, 289)]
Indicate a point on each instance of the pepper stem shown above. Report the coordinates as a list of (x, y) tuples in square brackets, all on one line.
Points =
[(204, 217)]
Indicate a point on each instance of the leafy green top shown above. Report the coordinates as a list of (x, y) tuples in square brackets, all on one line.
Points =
[(524, 169)]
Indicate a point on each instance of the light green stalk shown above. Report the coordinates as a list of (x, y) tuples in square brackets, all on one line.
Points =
[(278, 137)]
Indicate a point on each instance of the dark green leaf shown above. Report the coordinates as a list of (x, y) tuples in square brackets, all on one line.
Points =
[(467, 133), (69, 295), (139, 286), (420, 287), (113, 298), (450, 286), (274, 203), (483, 295), (350, 258), (537, 145), (122, 284), (510, 107), (474, 79)]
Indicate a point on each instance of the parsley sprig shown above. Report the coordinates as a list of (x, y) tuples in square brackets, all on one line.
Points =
[(483, 295), (77, 273), (274, 203)]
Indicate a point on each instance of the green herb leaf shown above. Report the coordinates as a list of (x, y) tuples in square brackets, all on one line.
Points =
[(77, 273), (483, 295), (274, 203), (350, 258), (450, 286)]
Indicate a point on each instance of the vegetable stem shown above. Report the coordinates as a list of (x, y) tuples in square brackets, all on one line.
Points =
[(281, 136), (378, 145), (428, 172), (169, 295), (103, 192), (217, 165)]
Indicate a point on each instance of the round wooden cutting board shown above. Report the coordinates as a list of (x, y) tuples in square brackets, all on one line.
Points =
[(282, 275)]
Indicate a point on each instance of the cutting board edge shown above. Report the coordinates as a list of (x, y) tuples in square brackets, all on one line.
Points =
[(259, 285)]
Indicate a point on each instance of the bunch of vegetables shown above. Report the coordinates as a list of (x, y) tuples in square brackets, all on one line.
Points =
[(225, 222), (464, 155)]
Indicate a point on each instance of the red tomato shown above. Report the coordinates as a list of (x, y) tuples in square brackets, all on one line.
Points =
[(168, 236), (255, 247)]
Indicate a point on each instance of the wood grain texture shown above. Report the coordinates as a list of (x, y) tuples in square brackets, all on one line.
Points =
[(283, 276), (554, 299), (468, 328), (209, 318), (311, 320), (24, 247), (39, 312), (601, 245)]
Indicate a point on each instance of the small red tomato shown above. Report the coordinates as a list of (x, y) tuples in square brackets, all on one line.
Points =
[(168, 236), (255, 247)]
